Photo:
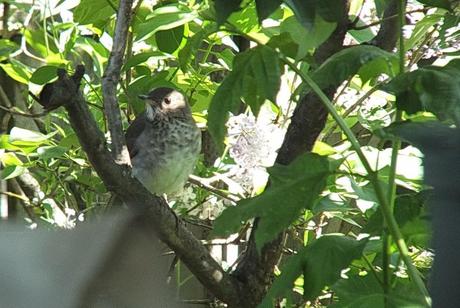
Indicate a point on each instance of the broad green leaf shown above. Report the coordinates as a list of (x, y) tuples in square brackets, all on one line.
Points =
[(169, 40), (47, 152), (307, 39), (266, 7), (304, 11), (6, 48), (445, 4), (352, 61), (20, 136), (164, 18), (331, 10), (431, 88), (224, 8), (365, 291), (17, 71), (293, 188), (92, 11), (255, 77), (10, 172), (35, 38), (44, 74), (320, 263)]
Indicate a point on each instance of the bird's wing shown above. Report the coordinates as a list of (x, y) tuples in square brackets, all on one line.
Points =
[(133, 132)]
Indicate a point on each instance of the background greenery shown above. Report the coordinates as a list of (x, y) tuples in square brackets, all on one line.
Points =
[(353, 204)]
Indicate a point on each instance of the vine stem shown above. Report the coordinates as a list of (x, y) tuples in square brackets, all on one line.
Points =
[(386, 249), (373, 176)]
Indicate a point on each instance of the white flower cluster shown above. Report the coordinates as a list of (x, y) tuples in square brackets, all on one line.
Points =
[(253, 145)]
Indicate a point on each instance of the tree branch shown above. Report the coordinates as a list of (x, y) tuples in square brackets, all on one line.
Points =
[(110, 82), (388, 33)]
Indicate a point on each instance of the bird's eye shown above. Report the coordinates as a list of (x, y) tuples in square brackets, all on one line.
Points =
[(167, 101)]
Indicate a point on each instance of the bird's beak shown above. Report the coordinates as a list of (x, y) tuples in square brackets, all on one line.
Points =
[(143, 96)]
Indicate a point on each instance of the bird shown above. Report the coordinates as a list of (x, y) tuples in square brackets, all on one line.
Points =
[(164, 142)]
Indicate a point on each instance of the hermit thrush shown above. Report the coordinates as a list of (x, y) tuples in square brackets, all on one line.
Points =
[(163, 142)]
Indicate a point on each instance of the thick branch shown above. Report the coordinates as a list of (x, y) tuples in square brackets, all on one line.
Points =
[(388, 33), (110, 82), (169, 228)]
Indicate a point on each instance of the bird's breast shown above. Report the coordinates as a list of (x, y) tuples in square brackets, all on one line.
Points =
[(167, 155)]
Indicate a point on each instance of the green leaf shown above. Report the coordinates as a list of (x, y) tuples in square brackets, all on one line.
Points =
[(224, 8), (17, 71), (169, 40), (445, 4), (255, 77), (92, 11), (9, 159), (23, 137), (140, 58), (10, 172), (365, 291), (293, 188), (41, 42), (353, 60), (411, 216), (320, 263), (164, 18), (431, 88), (307, 39), (6, 48), (331, 10), (304, 11), (44, 74), (266, 7), (48, 152)]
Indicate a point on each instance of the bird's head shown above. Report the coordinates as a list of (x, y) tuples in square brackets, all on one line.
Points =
[(166, 102)]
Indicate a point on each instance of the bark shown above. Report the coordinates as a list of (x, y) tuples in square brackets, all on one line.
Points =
[(110, 82)]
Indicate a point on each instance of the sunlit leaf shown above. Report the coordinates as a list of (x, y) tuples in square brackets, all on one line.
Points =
[(164, 18), (17, 71), (20, 136), (92, 11), (10, 159)]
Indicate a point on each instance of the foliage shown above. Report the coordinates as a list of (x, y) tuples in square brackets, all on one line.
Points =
[(196, 46)]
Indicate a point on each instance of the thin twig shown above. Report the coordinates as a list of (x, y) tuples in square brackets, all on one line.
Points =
[(110, 81), (202, 184), (375, 23), (24, 114)]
